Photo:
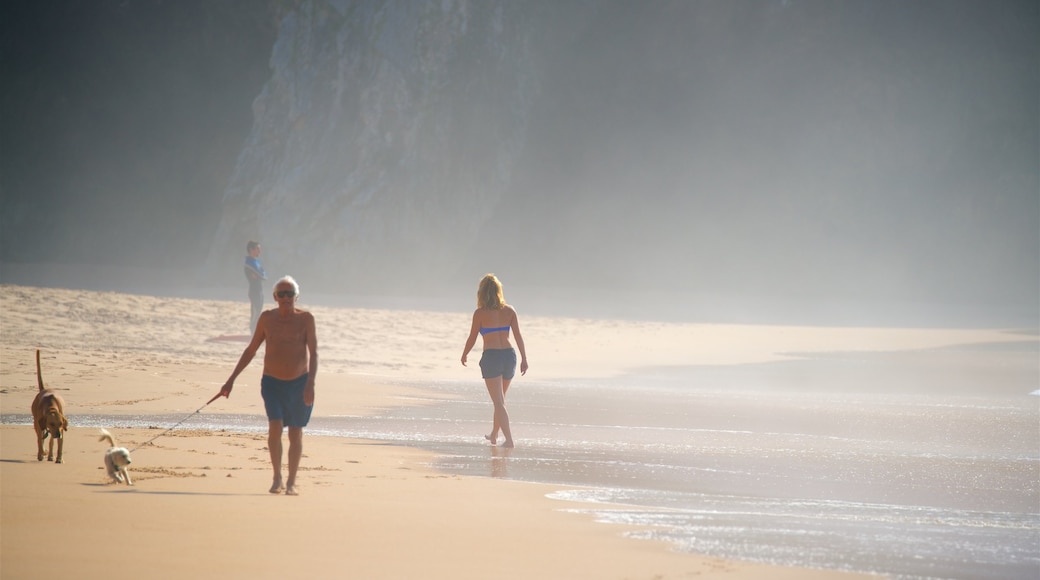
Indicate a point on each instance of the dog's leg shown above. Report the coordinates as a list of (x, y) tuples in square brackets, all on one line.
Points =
[(61, 447), (61, 433), (40, 434), (126, 474), (110, 467)]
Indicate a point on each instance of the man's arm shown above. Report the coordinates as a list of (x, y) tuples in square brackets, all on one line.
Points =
[(312, 370), (247, 355)]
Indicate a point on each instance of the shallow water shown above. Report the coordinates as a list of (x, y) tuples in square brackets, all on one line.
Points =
[(907, 485)]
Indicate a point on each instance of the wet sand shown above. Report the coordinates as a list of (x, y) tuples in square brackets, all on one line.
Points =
[(199, 504)]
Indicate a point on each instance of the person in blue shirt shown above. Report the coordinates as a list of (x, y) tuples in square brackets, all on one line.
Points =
[(255, 275)]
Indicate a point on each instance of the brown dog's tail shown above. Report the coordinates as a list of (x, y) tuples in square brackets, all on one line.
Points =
[(106, 436), (39, 375)]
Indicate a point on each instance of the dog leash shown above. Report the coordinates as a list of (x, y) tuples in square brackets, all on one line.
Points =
[(197, 411)]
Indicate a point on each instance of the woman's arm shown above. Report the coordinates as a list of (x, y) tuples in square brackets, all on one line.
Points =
[(519, 342), (472, 340)]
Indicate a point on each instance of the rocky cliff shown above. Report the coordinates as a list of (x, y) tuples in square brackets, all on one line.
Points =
[(818, 149), (876, 150), (387, 136)]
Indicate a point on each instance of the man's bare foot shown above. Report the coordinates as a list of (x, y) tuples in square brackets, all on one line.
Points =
[(276, 487), (291, 490), (493, 441)]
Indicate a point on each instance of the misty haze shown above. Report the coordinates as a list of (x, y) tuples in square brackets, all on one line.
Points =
[(850, 158), (777, 264)]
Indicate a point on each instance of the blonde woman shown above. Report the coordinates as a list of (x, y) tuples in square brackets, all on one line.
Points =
[(492, 320)]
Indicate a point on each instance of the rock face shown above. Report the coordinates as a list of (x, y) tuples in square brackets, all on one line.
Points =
[(863, 150), (385, 138), (866, 150)]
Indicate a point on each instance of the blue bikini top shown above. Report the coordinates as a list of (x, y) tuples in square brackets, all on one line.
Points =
[(484, 331)]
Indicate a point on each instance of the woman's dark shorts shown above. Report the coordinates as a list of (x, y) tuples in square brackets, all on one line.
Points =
[(283, 400), (498, 362)]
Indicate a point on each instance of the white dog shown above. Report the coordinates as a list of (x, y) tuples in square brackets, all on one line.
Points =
[(116, 459)]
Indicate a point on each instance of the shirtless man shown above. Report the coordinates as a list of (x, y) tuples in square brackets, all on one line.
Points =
[(287, 387)]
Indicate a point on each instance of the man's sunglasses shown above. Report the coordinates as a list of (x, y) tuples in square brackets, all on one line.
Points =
[(285, 293)]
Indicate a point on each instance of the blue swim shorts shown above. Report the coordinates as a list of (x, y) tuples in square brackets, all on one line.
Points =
[(498, 362), (283, 400)]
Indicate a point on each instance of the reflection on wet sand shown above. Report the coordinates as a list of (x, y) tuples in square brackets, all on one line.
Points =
[(500, 461)]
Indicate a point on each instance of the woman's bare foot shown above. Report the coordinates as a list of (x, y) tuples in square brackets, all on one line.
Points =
[(291, 490), (276, 487), (493, 441), (508, 444)]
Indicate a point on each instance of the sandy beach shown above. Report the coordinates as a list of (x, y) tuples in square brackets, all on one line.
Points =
[(199, 505)]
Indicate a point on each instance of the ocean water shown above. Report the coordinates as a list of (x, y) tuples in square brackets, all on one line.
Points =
[(903, 484)]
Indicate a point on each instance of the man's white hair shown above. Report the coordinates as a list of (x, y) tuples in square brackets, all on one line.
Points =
[(288, 280)]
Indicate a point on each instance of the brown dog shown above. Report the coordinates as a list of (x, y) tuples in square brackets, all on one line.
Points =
[(48, 411)]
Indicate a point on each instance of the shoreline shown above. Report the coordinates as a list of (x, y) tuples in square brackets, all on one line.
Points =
[(199, 507), (363, 501), (599, 304), (173, 491)]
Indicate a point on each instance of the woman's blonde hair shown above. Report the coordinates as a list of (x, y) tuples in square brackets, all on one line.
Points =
[(489, 293)]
